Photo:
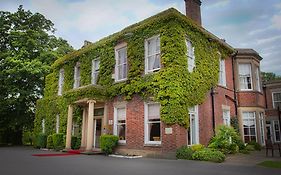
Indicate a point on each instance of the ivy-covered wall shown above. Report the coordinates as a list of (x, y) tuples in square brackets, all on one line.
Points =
[(173, 86)]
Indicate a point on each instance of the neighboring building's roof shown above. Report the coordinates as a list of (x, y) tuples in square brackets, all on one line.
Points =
[(242, 51), (272, 83)]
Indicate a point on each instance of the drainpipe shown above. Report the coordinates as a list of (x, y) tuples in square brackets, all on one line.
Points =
[(213, 108), (233, 55), (265, 96)]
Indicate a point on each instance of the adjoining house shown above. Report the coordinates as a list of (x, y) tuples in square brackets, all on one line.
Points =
[(159, 84)]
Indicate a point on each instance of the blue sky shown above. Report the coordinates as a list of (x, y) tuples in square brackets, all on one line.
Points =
[(243, 23)]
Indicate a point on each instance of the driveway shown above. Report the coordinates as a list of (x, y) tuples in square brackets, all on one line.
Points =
[(19, 160)]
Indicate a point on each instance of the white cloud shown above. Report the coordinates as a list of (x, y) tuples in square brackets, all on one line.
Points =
[(276, 21), (268, 40)]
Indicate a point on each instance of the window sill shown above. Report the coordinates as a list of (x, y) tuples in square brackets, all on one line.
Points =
[(119, 81), (122, 143), (152, 144), (152, 71)]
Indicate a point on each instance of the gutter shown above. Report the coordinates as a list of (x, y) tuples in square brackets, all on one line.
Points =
[(213, 109), (233, 55)]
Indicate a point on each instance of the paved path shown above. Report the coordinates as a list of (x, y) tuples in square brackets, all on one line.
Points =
[(19, 161)]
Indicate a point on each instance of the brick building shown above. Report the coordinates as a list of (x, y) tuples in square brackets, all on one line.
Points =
[(84, 79)]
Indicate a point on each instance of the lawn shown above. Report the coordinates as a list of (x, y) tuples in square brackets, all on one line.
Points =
[(271, 164)]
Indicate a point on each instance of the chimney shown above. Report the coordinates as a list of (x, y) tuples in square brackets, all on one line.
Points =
[(193, 11)]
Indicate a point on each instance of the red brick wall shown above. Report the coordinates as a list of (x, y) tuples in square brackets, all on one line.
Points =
[(250, 99)]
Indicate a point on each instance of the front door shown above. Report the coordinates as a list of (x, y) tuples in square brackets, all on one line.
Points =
[(97, 133)]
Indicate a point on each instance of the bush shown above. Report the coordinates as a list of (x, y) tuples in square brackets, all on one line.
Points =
[(58, 141), (184, 152), (75, 142), (40, 141), (108, 143), (208, 155), (197, 147), (226, 140), (50, 143), (256, 145), (27, 137), (250, 148)]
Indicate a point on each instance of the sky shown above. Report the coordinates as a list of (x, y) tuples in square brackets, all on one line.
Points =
[(252, 24)]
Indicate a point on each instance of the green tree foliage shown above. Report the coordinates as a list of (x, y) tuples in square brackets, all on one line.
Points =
[(268, 76), (27, 49)]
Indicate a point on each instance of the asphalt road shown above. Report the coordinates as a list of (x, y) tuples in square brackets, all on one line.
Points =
[(19, 161)]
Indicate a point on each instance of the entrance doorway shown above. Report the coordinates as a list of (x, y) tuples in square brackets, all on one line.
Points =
[(97, 132)]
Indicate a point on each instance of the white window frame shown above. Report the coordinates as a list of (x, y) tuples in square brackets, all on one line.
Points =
[(57, 123), (273, 102), (61, 81), (258, 83), (276, 130), (154, 54), (95, 72), (115, 126), (245, 77), (190, 55), (226, 116), (243, 118), (146, 136), (43, 125), (120, 65), (193, 115), (261, 122), (77, 75), (222, 73)]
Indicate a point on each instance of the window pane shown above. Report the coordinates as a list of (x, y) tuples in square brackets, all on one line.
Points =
[(121, 130), (156, 63), (121, 114), (153, 111), (154, 131)]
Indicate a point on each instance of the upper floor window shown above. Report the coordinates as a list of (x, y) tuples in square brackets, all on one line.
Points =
[(95, 70), (222, 76), (77, 75), (61, 80), (245, 77), (121, 63), (258, 83), (152, 54), (190, 55), (152, 123), (276, 100)]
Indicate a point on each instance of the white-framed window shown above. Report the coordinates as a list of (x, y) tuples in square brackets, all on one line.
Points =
[(190, 55), (258, 83), (261, 121), (245, 77), (43, 125), (226, 117), (152, 123), (276, 100), (222, 75), (75, 129), (57, 123), (152, 54), (95, 70), (61, 80), (120, 123), (276, 126), (193, 129), (121, 67), (249, 126), (77, 75)]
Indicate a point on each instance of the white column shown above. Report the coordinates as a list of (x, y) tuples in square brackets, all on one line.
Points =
[(105, 119), (69, 127), (83, 128), (90, 132)]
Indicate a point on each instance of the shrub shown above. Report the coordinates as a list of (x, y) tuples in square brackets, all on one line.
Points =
[(50, 143), (58, 141), (250, 147), (75, 142), (40, 141), (208, 155), (256, 145), (197, 147), (108, 143), (27, 138), (184, 152), (226, 140)]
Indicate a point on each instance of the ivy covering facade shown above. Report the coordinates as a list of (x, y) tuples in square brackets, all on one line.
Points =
[(173, 86)]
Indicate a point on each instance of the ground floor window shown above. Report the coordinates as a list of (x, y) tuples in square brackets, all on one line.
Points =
[(193, 129), (120, 123), (276, 127), (226, 117), (152, 123), (249, 126), (262, 129)]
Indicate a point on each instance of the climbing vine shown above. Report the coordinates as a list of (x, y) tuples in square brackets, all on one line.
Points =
[(172, 86)]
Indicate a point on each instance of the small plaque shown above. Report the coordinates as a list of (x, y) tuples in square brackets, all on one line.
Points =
[(168, 130)]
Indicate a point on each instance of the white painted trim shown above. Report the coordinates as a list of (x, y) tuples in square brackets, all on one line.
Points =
[(93, 71), (117, 48), (146, 54), (274, 130), (262, 124), (115, 122), (196, 120)]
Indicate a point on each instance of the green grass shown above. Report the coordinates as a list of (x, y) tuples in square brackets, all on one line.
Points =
[(271, 164)]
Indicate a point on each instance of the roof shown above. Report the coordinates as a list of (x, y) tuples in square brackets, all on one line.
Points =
[(248, 51)]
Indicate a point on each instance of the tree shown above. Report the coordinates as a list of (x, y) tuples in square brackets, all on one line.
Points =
[(268, 76), (27, 49)]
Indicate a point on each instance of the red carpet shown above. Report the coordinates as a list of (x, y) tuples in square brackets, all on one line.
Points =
[(75, 151), (58, 154)]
